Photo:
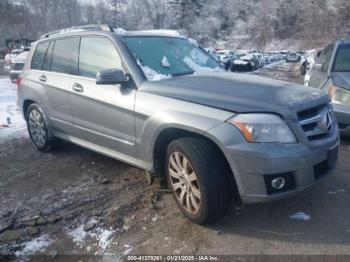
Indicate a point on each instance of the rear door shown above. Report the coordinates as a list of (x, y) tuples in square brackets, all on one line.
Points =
[(102, 114)]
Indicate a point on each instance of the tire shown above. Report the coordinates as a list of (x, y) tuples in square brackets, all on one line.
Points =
[(205, 196), (38, 130)]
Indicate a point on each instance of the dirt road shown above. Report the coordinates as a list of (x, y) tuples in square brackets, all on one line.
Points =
[(73, 201)]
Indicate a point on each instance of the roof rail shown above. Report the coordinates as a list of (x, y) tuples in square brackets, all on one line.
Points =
[(92, 27)]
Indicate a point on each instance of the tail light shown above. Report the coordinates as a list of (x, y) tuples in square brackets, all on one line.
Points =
[(18, 81)]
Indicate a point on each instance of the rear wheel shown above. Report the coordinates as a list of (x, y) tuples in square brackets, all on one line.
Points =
[(198, 179), (37, 128)]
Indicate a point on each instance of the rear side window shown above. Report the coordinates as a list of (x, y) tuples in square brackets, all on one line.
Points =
[(48, 57), (64, 56), (39, 55), (97, 54)]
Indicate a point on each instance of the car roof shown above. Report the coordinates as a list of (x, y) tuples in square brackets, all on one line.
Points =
[(108, 30)]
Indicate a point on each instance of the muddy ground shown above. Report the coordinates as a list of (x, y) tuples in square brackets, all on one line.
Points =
[(76, 202)]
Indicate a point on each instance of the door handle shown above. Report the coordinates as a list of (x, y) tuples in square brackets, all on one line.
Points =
[(43, 78), (78, 88)]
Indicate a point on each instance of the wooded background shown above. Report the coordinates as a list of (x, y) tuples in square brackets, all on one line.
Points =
[(263, 24)]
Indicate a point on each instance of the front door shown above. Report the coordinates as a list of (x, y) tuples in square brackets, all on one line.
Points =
[(102, 114)]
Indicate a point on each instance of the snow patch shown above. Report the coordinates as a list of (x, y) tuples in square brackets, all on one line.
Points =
[(33, 246), (151, 74), (128, 249), (300, 216), (78, 235), (165, 62), (120, 31), (9, 112), (105, 238)]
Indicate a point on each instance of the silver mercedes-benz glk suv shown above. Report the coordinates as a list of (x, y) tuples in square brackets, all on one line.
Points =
[(158, 101)]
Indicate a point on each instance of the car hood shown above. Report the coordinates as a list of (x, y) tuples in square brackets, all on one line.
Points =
[(342, 79), (239, 93)]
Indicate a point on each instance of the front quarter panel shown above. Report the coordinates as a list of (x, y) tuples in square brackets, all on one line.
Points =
[(155, 114)]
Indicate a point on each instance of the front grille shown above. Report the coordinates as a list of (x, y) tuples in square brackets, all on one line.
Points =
[(317, 122)]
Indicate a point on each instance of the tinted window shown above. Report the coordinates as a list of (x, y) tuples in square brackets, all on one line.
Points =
[(64, 56), (18, 66), (97, 54), (342, 61), (48, 57), (39, 55)]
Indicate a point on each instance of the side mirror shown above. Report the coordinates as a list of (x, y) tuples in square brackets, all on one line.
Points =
[(317, 67), (111, 77)]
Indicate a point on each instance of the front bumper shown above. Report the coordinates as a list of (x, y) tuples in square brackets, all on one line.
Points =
[(252, 164), (342, 114)]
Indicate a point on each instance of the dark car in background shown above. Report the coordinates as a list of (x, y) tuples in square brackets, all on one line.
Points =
[(331, 72)]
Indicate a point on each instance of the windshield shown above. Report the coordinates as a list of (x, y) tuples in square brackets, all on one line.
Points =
[(342, 61), (163, 57)]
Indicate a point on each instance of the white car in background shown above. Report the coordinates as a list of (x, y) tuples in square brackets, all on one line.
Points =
[(226, 57), (17, 65), (9, 59)]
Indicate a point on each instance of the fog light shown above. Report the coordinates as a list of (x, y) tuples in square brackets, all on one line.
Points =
[(278, 183)]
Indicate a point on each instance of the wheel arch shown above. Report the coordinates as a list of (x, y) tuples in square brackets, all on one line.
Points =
[(26, 104), (169, 134)]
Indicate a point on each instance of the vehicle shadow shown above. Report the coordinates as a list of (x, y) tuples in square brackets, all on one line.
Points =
[(327, 203)]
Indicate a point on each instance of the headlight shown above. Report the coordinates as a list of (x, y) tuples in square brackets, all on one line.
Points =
[(339, 95), (263, 128)]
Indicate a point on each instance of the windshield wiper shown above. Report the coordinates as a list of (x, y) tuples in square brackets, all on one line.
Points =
[(183, 73)]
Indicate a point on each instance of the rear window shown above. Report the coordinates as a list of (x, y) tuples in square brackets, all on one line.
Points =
[(342, 61), (64, 56), (39, 55)]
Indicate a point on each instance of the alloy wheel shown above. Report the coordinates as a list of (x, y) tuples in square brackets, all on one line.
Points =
[(37, 128), (184, 182)]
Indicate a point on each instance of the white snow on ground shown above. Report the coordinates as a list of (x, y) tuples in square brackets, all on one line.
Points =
[(78, 235), (128, 249), (274, 64), (33, 246), (104, 236), (301, 216), (9, 113)]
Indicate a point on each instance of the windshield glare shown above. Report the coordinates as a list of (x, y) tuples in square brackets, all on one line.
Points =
[(163, 57), (342, 62)]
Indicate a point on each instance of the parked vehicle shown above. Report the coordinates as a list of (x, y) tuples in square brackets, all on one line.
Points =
[(293, 57), (155, 100), (331, 72), (226, 57), (260, 58), (252, 59), (18, 65), (9, 59)]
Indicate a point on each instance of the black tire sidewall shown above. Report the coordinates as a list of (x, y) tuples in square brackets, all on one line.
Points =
[(209, 183)]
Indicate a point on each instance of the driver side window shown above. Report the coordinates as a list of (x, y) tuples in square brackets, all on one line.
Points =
[(97, 54)]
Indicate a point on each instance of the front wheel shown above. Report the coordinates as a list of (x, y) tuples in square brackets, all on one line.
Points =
[(198, 178)]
